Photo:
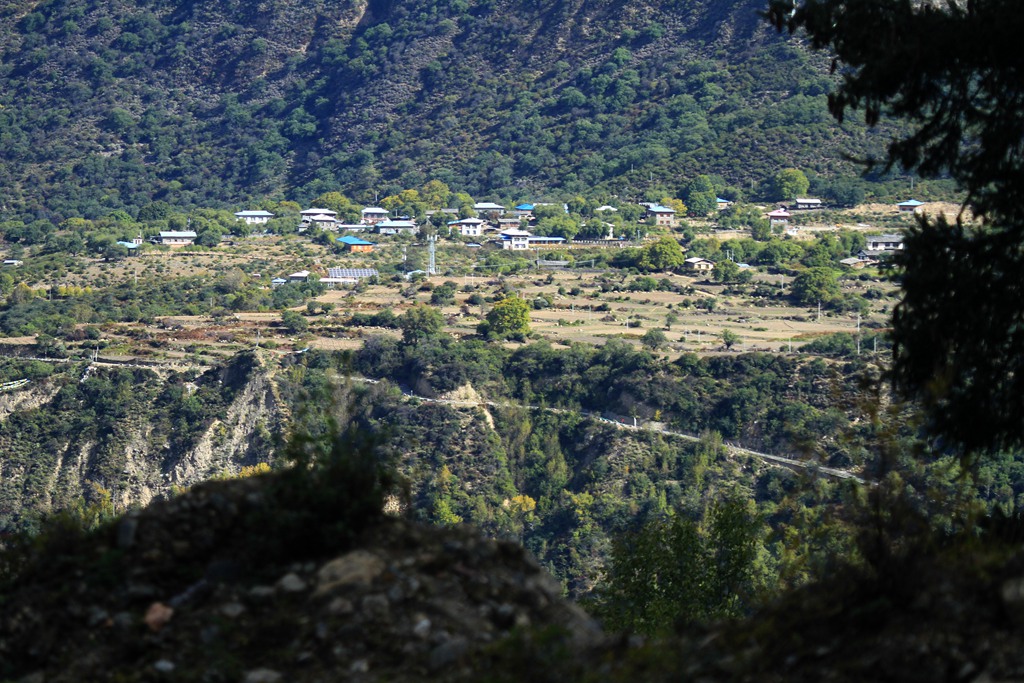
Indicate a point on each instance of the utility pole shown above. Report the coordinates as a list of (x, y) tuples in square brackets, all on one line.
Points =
[(858, 334), (432, 251)]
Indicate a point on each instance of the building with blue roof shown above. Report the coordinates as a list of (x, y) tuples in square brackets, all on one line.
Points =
[(355, 244), (910, 205)]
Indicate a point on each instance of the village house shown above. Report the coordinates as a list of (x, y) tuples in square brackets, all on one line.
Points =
[(722, 204), (535, 241), (877, 245), (322, 218), (177, 238), (778, 217), (509, 223), (301, 276), (523, 211), (389, 227), (697, 264), (909, 206), (515, 239), (663, 216), (353, 244), (372, 215), (489, 209), (468, 227), (805, 204), (254, 217), (856, 262)]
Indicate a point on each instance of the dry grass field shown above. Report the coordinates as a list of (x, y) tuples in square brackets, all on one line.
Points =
[(579, 311)]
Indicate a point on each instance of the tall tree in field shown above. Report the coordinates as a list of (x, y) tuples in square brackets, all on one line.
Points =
[(509, 319), (954, 71), (420, 322)]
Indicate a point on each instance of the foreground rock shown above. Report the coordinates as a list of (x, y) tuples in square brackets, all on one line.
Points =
[(168, 594)]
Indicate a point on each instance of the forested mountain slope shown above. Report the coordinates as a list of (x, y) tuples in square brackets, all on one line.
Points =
[(113, 105)]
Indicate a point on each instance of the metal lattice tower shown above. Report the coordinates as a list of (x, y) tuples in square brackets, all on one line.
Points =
[(432, 251)]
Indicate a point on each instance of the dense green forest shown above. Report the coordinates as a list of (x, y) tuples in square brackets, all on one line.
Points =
[(114, 106)]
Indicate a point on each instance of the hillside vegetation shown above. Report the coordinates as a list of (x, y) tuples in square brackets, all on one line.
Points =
[(115, 105)]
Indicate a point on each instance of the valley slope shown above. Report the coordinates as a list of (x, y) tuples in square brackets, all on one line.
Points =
[(109, 106)]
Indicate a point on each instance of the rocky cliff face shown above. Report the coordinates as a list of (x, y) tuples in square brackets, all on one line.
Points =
[(131, 435)]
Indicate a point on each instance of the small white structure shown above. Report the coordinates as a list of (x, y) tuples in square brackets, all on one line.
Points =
[(389, 227), (254, 217), (699, 265), (177, 238), (13, 263), (909, 206), (301, 276), (878, 245), (805, 204)]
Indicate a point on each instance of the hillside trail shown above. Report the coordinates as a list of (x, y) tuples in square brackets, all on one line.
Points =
[(637, 425)]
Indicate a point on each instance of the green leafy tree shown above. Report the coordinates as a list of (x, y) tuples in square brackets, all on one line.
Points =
[(420, 322), (726, 270), (665, 254), (700, 196), (789, 183), (675, 569), (509, 319), (729, 338), (294, 322), (654, 339), (953, 71), (815, 285)]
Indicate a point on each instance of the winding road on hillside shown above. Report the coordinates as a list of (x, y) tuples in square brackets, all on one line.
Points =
[(777, 460)]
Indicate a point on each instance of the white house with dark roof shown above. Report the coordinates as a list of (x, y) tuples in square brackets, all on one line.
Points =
[(806, 204), (324, 218), (254, 217), (177, 238), (877, 245)]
